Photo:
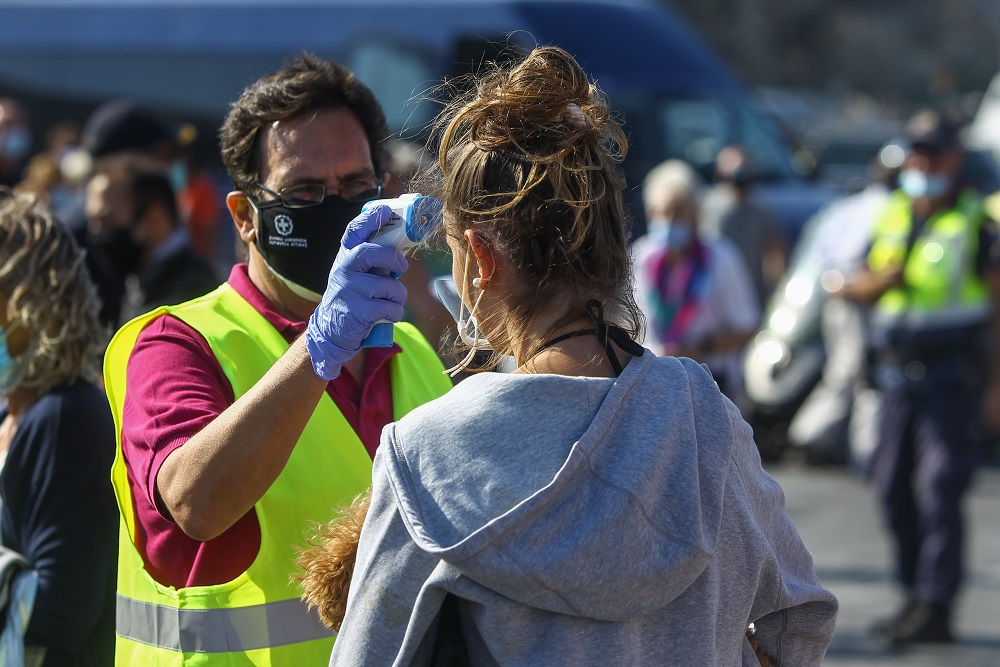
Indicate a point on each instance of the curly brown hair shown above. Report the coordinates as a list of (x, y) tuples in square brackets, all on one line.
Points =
[(532, 155), (307, 83), (50, 293)]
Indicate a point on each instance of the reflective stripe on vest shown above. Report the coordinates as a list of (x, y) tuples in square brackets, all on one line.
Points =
[(218, 630)]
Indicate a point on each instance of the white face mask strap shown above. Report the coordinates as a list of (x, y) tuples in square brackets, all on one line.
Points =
[(462, 325), (462, 322)]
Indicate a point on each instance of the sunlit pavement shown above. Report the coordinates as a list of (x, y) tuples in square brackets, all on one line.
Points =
[(837, 516)]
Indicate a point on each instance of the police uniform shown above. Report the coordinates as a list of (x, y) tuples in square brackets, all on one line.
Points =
[(928, 358)]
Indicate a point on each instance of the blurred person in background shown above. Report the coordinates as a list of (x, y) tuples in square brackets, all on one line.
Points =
[(136, 235), (57, 438), (932, 282), (117, 126), (50, 178), (124, 125), (15, 141), (728, 209), (203, 213), (697, 295), (836, 423)]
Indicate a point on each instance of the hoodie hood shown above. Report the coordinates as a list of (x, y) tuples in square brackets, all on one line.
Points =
[(584, 496)]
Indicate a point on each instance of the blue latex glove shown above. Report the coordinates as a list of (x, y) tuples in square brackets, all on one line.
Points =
[(356, 295)]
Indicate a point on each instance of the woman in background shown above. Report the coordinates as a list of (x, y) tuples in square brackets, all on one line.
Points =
[(697, 294), (57, 438)]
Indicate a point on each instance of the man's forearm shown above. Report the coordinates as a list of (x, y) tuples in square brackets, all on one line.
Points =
[(216, 477)]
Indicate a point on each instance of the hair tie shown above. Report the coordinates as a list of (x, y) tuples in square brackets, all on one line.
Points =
[(574, 115)]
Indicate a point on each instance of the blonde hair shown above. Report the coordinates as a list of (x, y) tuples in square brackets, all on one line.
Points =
[(671, 180), (50, 293), (530, 155)]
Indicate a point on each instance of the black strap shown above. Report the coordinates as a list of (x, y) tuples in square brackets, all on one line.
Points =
[(606, 335), (566, 336), (611, 333)]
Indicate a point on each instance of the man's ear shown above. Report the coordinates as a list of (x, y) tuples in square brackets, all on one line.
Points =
[(481, 248), (242, 214)]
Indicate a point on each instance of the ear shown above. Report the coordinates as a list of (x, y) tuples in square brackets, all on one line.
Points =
[(242, 214), (484, 256)]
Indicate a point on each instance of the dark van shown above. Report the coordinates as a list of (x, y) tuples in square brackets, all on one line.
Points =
[(191, 59)]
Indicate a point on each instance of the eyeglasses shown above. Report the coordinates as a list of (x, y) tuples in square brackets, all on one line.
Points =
[(313, 194)]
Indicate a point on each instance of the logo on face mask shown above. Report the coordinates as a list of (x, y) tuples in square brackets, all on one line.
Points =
[(304, 260), (283, 225)]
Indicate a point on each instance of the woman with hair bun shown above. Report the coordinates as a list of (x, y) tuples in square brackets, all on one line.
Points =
[(599, 505)]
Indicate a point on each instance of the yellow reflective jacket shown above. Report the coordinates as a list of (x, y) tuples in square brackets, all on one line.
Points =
[(257, 618), (942, 288)]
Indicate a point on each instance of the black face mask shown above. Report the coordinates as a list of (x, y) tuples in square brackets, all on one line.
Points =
[(116, 251), (300, 244)]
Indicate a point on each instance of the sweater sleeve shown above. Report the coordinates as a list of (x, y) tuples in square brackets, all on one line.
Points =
[(792, 613), (390, 572)]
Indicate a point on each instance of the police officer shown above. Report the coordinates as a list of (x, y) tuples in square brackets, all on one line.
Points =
[(932, 281)]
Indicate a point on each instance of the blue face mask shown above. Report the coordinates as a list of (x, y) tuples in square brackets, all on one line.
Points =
[(918, 185), (178, 175), (16, 143), (671, 233), (11, 369)]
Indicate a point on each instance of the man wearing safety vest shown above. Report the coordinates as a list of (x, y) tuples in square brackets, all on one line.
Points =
[(933, 282), (247, 415)]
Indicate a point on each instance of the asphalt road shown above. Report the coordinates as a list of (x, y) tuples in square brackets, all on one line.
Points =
[(837, 516)]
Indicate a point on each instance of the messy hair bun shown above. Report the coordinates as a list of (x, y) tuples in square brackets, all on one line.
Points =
[(531, 155)]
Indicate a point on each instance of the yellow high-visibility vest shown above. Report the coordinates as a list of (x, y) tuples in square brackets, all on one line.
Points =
[(942, 287), (257, 618)]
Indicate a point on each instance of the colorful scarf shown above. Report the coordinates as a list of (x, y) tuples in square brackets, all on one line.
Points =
[(679, 288)]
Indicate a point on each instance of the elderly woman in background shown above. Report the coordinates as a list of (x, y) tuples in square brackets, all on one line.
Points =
[(57, 438), (697, 294)]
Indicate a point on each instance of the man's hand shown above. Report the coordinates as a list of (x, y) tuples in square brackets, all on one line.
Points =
[(359, 294)]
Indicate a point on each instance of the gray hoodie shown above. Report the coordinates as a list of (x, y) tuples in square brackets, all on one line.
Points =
[(582, 521)]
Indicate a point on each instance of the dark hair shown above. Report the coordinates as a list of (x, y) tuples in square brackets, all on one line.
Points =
[(531, 156), (308, 83), (145, 181)]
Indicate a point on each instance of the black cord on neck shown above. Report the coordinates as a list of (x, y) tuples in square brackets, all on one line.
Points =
[(566, 336), (606, 335)]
